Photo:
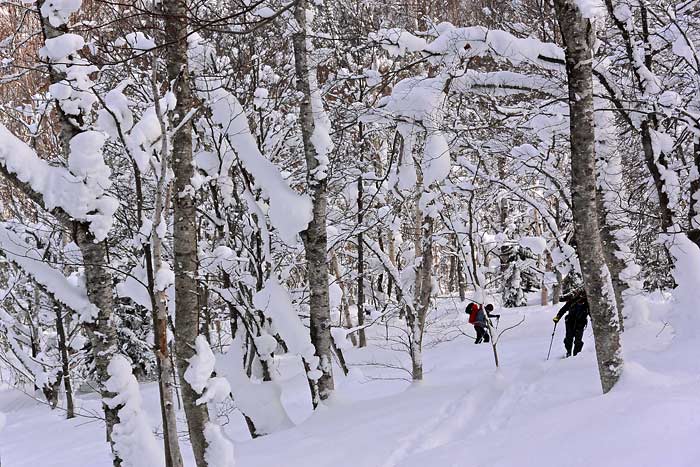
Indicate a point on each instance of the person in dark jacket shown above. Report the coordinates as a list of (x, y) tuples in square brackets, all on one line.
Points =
[(576, 311)]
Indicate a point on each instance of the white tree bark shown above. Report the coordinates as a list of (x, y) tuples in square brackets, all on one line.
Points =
[(315, 238)]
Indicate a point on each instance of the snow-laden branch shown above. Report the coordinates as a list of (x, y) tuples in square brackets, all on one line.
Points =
[(454, 43), (31, 262), (71, 193), (290, 212)]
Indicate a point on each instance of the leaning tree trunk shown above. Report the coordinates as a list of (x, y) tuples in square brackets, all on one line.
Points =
[(639, 55), (65, 359), (185, 223), (98, 279), (360, 255), (423, 291), (578, 37), (615, 264), (159, 298), (315, 239)]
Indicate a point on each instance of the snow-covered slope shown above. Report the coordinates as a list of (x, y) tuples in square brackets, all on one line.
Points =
[(530, 412)]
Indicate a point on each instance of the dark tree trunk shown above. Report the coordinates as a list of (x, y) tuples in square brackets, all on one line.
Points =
[(65, 361), (185, 225), (578, 37), (360, 263), (694, 211)]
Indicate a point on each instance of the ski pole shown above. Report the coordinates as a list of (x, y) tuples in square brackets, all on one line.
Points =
[(551, 341)]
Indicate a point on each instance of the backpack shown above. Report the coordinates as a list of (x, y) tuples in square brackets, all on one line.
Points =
[(473, 311)]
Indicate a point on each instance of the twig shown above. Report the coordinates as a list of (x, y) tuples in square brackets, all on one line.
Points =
[(509, 328), (662, 329)]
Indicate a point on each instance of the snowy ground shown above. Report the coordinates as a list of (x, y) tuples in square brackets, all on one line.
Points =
[(530, 412)]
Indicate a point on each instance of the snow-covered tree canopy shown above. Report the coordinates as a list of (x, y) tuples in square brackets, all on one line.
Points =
[(236, 199)]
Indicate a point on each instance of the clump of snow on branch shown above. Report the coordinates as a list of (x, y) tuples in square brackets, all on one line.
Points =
[(219, 450), (58, 11), (60, 47), (259, 400), (340, 338), (134, 441), (136, 41), (60, 187), (290, 212), (199, 374), (275, 301), (537, 245), (142, 138), (74, 92), (86, 162), (397, 41), (592, 8), (454, 43), (416, 103)]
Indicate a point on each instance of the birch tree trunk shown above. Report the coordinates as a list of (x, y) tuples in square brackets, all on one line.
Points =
[(101, 332), (65, 361), (159, 299), (173, 457), (185, 226), (424, 285), (314, 237), (98, 279), (578, 37)]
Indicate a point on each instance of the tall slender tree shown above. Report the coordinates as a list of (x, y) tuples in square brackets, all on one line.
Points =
[(578, 37), (187, 311), (315, 236)]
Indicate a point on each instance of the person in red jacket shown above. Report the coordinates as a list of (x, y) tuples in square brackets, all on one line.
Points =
[(478, 317)]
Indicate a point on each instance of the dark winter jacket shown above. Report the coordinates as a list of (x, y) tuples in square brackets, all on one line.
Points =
[(577, 309)]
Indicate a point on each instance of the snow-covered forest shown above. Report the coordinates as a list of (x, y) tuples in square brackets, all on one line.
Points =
[(248, 233)]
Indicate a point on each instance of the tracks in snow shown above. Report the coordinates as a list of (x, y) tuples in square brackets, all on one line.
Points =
[(486, 407)]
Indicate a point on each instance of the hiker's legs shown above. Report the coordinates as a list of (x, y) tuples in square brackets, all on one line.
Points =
[(569, 338), (578, 337), (479, 333)]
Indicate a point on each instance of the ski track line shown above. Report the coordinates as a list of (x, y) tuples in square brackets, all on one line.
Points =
[(409, 442), (490, 405), (462, 411)]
